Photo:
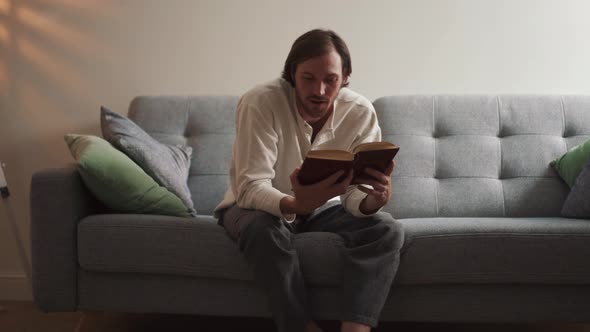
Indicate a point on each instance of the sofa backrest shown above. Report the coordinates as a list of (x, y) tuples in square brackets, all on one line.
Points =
[(207, 124), (480, 156), (461, 156)]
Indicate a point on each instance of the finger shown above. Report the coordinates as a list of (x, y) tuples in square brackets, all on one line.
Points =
[(377, 186), (330, 180), (381, 177), (341, 187), (348, 179), (366, 190), (294, 177), (389, 169)]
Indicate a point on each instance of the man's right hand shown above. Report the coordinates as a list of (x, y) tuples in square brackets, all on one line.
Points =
[(310, 197)]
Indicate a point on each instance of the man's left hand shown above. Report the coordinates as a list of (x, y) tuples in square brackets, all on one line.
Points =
[(381, 192)]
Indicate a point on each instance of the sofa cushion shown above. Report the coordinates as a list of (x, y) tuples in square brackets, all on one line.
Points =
[(117, 181), (191, 247), (167, 164), (577, 204), (495, 250), (571, 163), (438, 250)]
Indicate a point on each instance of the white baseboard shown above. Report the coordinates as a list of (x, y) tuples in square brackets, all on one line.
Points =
[(14, 287)]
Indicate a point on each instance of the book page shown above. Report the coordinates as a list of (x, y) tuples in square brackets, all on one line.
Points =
[(371, 146), (330, 154)]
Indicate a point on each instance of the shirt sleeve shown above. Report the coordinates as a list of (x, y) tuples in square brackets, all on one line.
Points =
[(352, 198), (255, 153)]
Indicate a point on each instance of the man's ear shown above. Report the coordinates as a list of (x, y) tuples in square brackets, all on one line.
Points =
[(344, 82)]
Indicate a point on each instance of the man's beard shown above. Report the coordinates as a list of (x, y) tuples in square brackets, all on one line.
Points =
[(315, 110)]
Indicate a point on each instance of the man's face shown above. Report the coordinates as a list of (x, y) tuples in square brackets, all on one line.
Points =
[(317, 83)]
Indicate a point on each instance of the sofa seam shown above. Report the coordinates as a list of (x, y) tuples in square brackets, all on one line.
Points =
[(323, 243), (163, 269), (477, 177), (491, 136), (317, 279), (201, 133), (169, 267), (187, 116), (562, 116), (436, 189), (501, 235), (512, 273), (501, 155), (145, 226)]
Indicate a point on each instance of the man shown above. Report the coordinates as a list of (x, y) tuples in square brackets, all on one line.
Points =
[(277, 123)]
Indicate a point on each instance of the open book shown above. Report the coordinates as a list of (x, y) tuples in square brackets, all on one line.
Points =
[(320, 164)]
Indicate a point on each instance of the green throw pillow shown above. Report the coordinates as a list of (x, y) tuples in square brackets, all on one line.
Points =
[(119, 182), (571, 164)]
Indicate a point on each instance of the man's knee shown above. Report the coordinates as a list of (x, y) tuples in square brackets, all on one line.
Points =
[(261, 222), (264, 230), (390, 229)]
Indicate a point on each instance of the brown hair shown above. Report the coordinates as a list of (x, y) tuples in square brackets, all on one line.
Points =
[(315, 43)]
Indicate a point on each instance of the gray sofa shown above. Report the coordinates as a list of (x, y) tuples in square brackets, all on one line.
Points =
[(472, 186)]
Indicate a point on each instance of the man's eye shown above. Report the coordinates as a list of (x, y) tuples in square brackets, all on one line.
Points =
[(308, 78)]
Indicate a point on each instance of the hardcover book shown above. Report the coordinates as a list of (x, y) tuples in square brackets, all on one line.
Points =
[(320, 164)]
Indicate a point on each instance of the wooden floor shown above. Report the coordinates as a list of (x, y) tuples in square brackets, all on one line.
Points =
[(23, 317)]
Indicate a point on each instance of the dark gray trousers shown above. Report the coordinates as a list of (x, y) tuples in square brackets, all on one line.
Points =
[(371, 257)]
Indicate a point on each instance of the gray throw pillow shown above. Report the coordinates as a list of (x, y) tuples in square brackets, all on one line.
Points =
[(577, 203), (168, 165)]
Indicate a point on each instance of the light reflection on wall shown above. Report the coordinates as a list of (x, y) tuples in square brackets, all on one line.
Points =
[(3, 77), (32, 101), (52, 28), (44, 38), (96, 7), (5, 46), (4, 35), (5, 6), (54, 68), (52, 37)]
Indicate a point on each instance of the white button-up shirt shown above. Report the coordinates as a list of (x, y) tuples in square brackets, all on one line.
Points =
[(272, 140)]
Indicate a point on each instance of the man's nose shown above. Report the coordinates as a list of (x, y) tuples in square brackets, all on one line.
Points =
[(320, 88)]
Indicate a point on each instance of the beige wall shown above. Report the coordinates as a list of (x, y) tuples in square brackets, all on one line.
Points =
[(61, 59)]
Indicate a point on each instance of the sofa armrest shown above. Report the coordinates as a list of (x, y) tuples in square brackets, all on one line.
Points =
[(59, 199)]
